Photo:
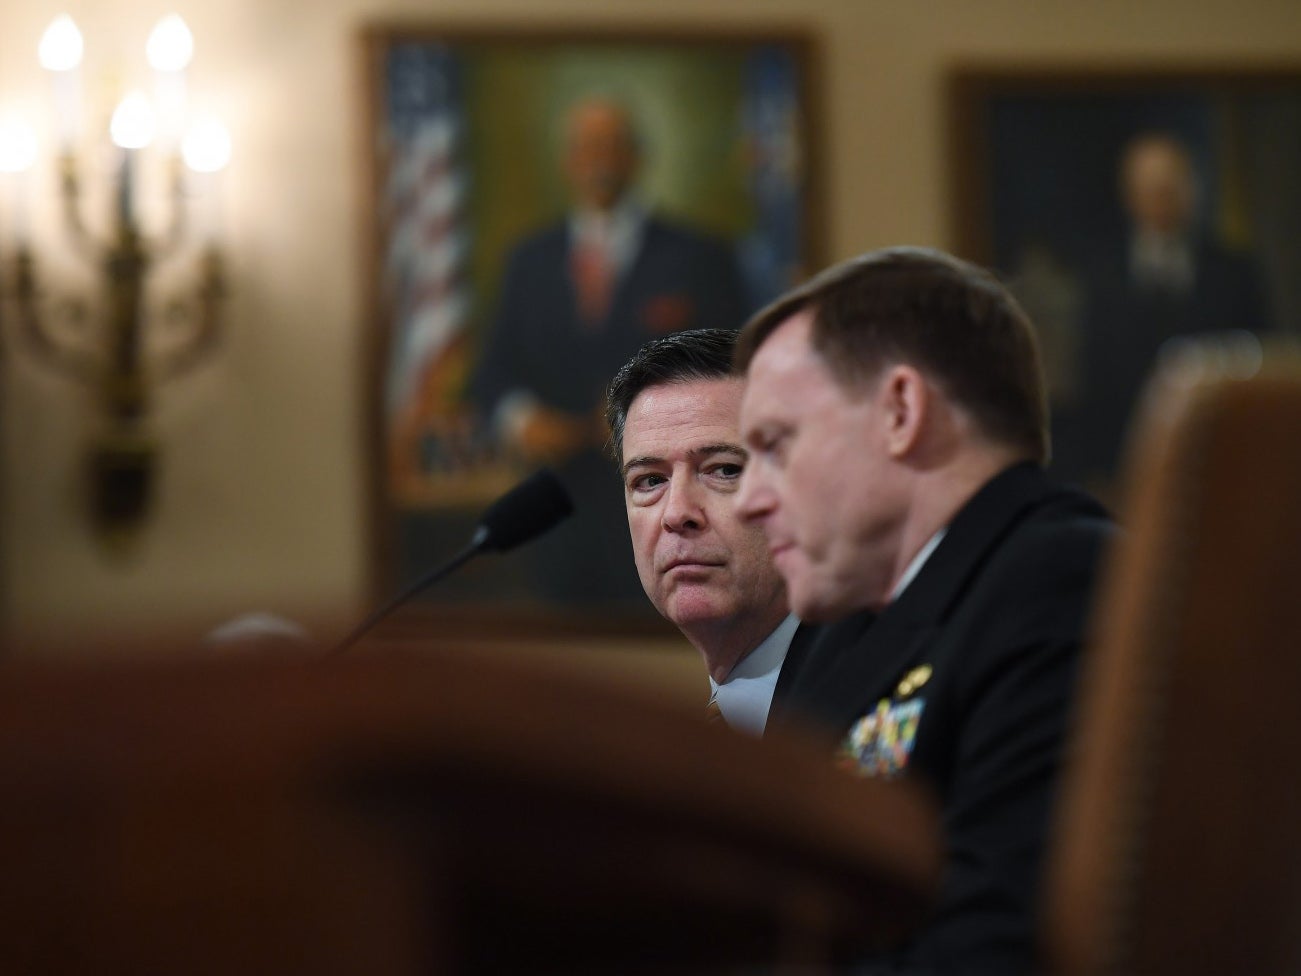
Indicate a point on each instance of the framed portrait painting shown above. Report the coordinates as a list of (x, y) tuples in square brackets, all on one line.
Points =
[(540, 204), (1131, 210)]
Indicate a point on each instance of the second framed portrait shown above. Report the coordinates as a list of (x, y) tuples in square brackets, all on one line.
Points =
[(1131, 210), (541, 204)]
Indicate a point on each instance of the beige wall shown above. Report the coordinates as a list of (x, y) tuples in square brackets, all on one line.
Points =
[(261, 500)]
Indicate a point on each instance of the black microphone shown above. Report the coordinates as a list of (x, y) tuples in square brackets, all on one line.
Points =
[(535, 505), (526, 511)]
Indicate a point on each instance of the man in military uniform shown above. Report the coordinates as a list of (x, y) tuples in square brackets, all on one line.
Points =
[(895, 417)]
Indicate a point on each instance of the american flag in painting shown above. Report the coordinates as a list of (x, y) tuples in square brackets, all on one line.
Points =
[(428, 239)]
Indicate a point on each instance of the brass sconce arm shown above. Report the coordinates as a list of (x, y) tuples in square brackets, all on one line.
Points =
[(77, 362), (202, 309), (70, 195)]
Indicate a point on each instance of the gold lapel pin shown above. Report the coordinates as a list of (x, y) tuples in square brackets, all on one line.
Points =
[(913, 680)]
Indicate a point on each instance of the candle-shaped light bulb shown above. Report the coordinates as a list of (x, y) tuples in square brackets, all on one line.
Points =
[(132, 128), (206, 150), (169, 50), (171, 45), (207, 146), (133, 122), (60, 53), (61, 45)]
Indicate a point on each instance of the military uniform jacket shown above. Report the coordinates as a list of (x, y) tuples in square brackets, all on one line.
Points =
[(965, 682)]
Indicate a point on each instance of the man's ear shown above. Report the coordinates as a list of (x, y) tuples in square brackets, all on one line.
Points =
[(904, 399)]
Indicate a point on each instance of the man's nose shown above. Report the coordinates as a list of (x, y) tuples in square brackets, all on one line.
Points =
[(755, 498), (683, 511)]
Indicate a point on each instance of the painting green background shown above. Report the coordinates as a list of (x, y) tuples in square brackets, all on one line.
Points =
[(686, 102)]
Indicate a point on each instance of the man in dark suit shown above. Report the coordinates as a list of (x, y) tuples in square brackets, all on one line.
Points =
[(1167, 280), (672, 412), (895, 416), (577, 299)]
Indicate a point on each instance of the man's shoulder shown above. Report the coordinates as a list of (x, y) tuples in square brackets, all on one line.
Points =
[(1033, 595), (1209, 249), (1020, 510), (1027, 495), (1224, 265), (548, 238), (1059, 534), (1062, 513)]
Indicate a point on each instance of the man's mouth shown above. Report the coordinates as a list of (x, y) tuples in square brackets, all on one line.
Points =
[(690, 564)]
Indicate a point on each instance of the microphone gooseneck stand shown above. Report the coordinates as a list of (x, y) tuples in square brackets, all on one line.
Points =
[(475, 547), (532, 507)]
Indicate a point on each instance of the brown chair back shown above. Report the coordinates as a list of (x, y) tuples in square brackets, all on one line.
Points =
[(1178, 848)]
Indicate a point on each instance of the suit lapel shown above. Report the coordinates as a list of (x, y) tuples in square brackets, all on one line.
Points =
[(856, 662), (796, 654), (628, 282)]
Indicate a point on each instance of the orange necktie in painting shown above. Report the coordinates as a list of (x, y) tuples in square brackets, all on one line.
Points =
[(593, 280)]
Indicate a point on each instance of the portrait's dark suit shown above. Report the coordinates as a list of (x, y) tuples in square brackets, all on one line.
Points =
[(1125, 322), (679, 278), (965, 682)]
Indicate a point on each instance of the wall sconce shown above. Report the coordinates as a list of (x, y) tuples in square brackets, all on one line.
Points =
[(114, 353)]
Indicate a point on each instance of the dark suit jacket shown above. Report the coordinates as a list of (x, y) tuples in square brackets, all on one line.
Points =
[(796, 655), (679, 279), (1124, 326), (997, 615)]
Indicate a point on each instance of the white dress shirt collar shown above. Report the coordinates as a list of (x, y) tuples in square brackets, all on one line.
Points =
[(617, 232), (745, 697), (917, 563)]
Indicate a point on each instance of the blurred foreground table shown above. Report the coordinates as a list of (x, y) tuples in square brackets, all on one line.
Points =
[(432, 813)]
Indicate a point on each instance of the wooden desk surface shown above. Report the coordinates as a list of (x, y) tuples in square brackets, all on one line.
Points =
[(440, 812)]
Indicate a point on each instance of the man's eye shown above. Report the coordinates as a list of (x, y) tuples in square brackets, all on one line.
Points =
[(730, 470), (645, 482)]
